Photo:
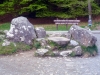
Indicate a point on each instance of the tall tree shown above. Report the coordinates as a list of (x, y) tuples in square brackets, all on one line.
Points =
[(49, 8)]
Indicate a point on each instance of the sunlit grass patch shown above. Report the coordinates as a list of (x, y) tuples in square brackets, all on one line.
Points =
[(5, 26), (52, 27)]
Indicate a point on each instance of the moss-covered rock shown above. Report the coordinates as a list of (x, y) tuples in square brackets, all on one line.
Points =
[(89, 51)]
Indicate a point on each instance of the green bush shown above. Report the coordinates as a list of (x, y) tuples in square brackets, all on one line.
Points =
[(49, 8)]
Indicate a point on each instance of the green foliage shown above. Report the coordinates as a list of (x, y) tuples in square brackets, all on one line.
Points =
[(6, 7), (68, 8), (50, 8)]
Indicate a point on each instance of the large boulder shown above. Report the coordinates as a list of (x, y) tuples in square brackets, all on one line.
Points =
[(83, 36), (21, 30), (40, 32)]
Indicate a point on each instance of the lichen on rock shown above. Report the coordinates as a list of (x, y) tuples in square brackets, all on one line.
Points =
[(21, 30)]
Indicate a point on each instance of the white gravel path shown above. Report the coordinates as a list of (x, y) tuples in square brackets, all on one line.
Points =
[(26, 64)]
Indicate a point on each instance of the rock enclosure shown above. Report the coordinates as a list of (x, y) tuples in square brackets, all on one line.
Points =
[(76, 42)]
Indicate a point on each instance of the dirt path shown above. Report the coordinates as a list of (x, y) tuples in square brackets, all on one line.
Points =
[(26, 64)]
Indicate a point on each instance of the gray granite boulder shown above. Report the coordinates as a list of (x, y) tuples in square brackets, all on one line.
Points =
[(21, 30), (40, 32), (83, 36)]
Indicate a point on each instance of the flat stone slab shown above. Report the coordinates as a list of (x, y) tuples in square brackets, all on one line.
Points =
[(59, 40)]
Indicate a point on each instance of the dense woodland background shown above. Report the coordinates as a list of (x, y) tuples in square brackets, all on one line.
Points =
[(45, 9)]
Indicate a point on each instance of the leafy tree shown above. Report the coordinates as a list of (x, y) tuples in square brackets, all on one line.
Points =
[(68, 8), (49, 8)]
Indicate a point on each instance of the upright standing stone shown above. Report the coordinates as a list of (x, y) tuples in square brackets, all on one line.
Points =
[(21, 30)]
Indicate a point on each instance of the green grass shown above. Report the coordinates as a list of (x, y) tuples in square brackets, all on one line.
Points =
[(48, 27), (51, 27), (5, 26), (5, 50), (11, 49)]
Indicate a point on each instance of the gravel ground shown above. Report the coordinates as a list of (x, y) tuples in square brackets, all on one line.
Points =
[(26, 64)]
